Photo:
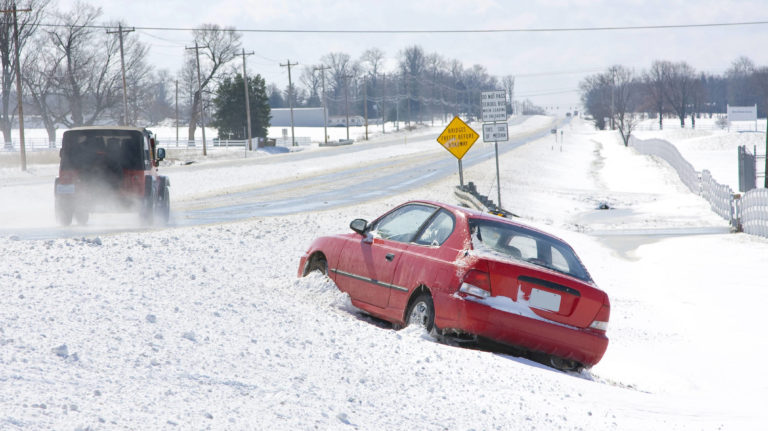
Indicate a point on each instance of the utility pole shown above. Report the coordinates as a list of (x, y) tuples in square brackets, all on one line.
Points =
[(383, 102), (290, 96), (200, 90), (322, 70), (346, 100), (365, 105), (120, 32), (22, 146), (177, 113), (247, 102), (408, 95)]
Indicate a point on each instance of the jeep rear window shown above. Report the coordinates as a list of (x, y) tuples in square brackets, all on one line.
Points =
[(81, 149)]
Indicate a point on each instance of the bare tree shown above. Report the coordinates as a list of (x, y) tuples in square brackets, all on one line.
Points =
[(157, 100), (596, 97), (139, 76), (508, 82), (311, 81), (739, 85), (413, 63), (40, 67), (624, 101), (655, 85), (372, 60), (435, 65), (89, 76), (679, 93), (27, 25), (217, 46), (371, 63), (343, 70)]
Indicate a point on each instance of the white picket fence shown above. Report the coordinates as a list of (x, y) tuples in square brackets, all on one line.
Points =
[(754, 212), (719, 196), (748, 213), (670, 154)]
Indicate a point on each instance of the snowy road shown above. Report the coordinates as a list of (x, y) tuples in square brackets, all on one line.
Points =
[(344, 186), (350, 174)]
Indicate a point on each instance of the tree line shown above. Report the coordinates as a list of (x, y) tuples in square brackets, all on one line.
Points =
[(72, 71), (72, 75), (620, 97), (422, 86)]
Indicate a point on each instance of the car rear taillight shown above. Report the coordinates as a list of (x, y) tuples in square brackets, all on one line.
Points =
[(476, 283), (601, 320)]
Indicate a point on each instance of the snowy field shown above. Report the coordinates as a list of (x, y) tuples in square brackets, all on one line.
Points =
[(209, 328)]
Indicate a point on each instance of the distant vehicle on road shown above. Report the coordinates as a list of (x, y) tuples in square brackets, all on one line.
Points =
[(110, 169), (472, 277)]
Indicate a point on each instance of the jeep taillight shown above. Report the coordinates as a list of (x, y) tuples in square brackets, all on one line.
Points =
[(476, 283)]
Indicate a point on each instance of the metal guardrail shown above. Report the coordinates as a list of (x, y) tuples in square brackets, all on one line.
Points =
[(471, 198)]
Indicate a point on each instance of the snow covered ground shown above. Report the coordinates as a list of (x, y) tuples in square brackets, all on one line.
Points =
[(208, 327), (710, 147)]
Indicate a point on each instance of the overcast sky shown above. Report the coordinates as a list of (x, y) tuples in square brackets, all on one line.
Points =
[(548, 65)]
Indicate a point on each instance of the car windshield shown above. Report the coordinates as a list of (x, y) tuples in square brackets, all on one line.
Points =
[(527, 245), (81, 149)]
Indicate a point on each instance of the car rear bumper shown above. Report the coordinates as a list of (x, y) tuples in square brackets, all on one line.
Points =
[(534, 334)]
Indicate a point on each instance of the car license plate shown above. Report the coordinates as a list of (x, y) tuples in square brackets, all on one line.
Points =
[(65, 189), (544, 300)]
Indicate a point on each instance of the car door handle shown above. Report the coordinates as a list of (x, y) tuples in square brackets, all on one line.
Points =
[(389, 257)]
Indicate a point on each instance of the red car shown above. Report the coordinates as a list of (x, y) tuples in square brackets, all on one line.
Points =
[(469, 276)]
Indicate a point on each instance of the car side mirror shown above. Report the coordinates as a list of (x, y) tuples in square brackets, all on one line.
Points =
[(359, 225), (160, 154)]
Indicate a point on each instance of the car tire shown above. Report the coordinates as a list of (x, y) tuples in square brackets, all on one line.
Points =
[(421, 312), (64, 212), (317, 264), (163, 203), (148, 201), (81, 216)]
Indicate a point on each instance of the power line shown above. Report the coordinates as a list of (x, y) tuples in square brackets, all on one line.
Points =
[(442, 31)]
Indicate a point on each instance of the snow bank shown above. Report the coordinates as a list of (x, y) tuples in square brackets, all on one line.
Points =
[(208, 327)]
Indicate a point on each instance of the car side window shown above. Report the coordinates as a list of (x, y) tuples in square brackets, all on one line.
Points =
[(147, 156), (402, 224), (438, 230)]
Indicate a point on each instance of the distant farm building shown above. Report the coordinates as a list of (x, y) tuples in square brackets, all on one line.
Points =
[(302, 117)]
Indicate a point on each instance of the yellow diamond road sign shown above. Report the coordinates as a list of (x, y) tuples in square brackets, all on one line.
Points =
[(457, 137)]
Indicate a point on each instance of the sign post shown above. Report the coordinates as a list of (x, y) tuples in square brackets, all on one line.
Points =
[(458, 138), (495, 109)]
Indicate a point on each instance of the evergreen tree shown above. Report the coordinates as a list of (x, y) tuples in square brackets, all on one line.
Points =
[(229, 107)]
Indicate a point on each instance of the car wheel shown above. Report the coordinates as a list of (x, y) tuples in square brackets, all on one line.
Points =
[(421, 312), (81, 216), (163, 204), (147, 202), (64, 213), (317, 264)]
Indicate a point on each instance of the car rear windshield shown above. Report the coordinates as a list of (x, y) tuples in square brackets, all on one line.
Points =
[(526, 245), (81, 149)]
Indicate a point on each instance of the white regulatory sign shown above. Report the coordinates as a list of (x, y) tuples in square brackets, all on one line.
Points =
[(494, 105), (495, 132)]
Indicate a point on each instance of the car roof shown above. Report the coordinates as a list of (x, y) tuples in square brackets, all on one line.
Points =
[(128, 128), (473, 213)]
